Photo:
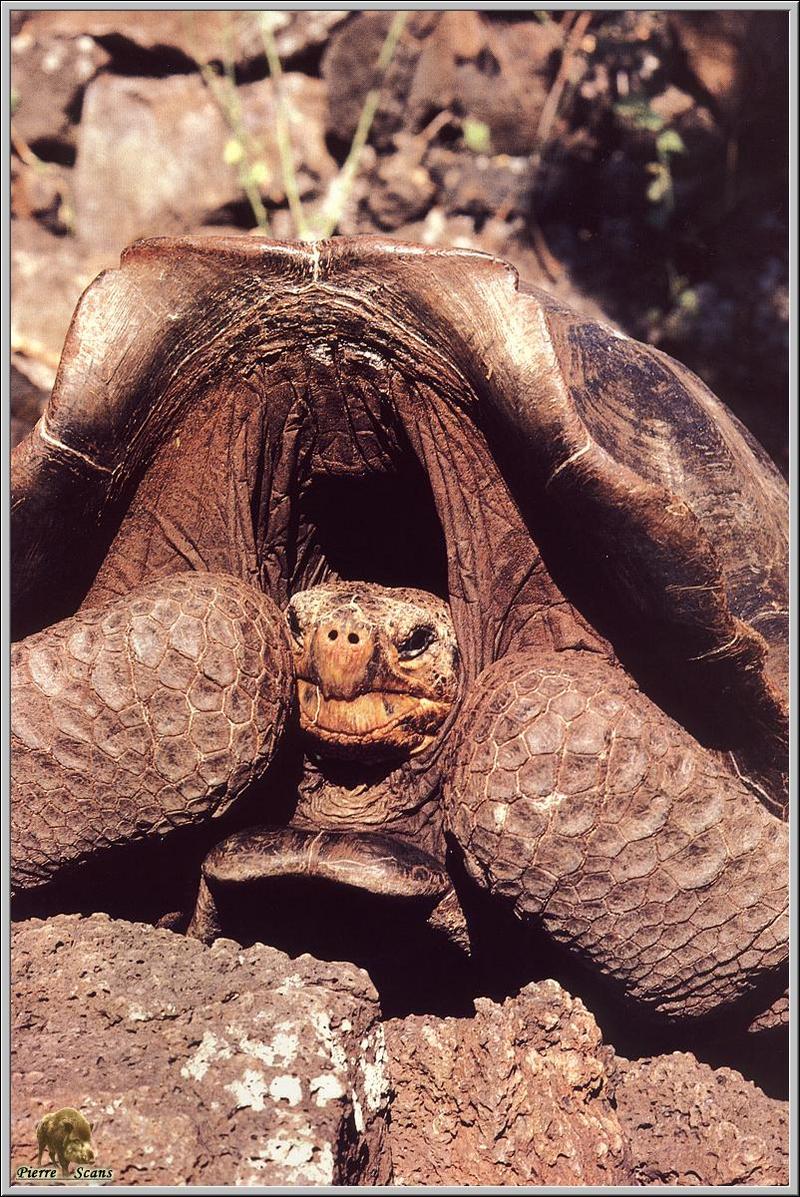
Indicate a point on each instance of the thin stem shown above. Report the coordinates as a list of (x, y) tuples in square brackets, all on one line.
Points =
[(282, 134), (341, 187), (573, 27), (24, 151), (229, 104), (572, 40)]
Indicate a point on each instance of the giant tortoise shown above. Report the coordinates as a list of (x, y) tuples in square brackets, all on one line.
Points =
[(504, 578)]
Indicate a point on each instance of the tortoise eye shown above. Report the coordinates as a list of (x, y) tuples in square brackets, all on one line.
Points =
[(294, 624), (416, 643)]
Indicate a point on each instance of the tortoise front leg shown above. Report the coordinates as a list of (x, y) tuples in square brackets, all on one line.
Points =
[(153, 711), (581, 802)]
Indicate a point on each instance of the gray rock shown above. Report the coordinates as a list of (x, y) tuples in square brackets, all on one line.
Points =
[(197, 1065)]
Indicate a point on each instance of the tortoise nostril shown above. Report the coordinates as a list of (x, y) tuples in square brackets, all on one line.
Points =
[(353, 638), (332, 635)]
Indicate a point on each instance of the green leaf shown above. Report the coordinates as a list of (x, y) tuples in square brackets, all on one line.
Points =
[(639, 114), (233, 152), (660, 185), (670, 142), (259, 174), (477, 136)]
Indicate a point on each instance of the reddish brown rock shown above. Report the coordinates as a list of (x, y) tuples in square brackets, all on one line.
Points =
[(42, 190), (189, 36), (477, 183), (519, 1094), (48, 274), (155, 155), (49, 72), (197, 1065), (350, 69), (404, 188), (27, 404), (496, 73), (526, 1093), (727, 51), (688, 1124)]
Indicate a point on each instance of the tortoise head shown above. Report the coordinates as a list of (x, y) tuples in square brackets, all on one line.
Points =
[(377, 668)]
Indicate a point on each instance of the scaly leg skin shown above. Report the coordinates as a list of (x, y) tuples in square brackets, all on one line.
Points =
[(205, 923), (581, 802), (153, 711)]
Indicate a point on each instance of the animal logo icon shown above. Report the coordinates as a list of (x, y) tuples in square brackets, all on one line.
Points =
[(67, 1136)]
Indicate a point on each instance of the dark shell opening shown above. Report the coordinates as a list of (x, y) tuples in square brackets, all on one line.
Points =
[(381, 528)]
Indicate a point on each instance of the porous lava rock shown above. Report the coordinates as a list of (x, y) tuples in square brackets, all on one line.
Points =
[(525, 1092), (197, 1065), (688, 1124), (519, 1094), (225, 1065)]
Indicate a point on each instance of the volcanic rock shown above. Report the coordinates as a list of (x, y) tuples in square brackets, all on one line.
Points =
[(49, 73), (154, 155), (688, 1124), (197, 1065), (519, 1094)]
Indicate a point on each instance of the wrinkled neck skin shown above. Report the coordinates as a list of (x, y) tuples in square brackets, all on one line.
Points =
[(263, 477), (393, 798)]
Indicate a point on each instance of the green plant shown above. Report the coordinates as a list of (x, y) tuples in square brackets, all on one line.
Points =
[(477, 136), (637, 113), (247, 154), (282, 135), (660, 190), (240, 150)]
